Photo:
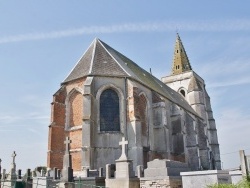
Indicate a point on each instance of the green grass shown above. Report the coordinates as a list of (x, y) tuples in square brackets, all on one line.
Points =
[(242, 184)]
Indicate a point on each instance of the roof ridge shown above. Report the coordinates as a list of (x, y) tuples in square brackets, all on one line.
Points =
[(102, 44), (93, 54), (79, 60)]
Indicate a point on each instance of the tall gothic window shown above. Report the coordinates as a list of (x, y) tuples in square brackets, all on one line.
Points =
[(109, 111)]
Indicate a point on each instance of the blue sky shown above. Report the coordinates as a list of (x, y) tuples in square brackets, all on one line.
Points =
[(41, 41)]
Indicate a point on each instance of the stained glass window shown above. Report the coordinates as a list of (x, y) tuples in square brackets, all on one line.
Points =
[(109, 111)]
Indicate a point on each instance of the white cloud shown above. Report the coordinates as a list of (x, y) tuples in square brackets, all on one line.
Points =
[(11, 119), (221, 25), (234, 82)]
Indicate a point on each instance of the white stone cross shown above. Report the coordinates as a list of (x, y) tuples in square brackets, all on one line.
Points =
[(67, 142), (123, 143), (13, 155)]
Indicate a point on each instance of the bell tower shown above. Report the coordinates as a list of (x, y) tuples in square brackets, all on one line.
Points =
[(180, 61), (192, 88)]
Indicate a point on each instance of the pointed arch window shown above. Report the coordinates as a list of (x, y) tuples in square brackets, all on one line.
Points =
[(109, 111)]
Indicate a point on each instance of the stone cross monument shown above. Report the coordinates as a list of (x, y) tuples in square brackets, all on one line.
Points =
[(67, 142), (12, 176), (67, 171), (124, 174), (13, 164), (123, 164), (123, 143)]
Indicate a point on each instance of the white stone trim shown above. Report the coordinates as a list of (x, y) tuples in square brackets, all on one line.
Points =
[(122, 107), (115, 60), (75, 150), (67, 111), (93, 55), (75, 128)]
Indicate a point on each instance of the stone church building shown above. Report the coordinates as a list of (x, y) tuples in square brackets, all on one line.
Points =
[(107, 96)]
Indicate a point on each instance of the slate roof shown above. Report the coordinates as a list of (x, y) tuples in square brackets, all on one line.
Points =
[(180, 58), (102, 60), (194, 85)]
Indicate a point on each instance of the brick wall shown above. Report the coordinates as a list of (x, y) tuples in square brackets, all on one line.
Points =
[(75, 108), (57, 133)]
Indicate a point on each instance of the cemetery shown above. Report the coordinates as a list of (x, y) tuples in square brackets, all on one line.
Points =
[(159, 173)]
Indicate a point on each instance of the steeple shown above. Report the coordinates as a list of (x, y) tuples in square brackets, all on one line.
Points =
[(180, 61)]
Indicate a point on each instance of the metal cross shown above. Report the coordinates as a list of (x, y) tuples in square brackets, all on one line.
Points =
[(123, 143), (67, 142)]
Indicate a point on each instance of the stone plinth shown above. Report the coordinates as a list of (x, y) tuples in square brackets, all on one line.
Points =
[(124, 169), (41, 182), (165, 167), (163, 173), (123, 183), (165, 182), (201, 179), (236, 176), (124, 175), (90, 182)]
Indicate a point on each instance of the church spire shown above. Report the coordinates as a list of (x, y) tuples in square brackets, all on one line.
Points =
[(180, 61)]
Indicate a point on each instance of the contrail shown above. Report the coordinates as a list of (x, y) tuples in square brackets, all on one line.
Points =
[(212, 26)]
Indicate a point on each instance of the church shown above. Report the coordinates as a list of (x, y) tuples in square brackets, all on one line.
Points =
[(107, 96)]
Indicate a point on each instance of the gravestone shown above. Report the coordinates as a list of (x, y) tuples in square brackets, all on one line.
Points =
[(244, 163), (201, 179), (4, 174), (163, 173), (67, 171), (50, 179), (91, 178), (42, 182), (236, 176), (10, 178), (124, 175)]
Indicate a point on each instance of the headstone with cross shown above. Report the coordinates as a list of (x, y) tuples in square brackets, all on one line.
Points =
[(13, 156), (67, 171), (12, 175), (13, 164), (124, 174), (123, 143), (67, 142)]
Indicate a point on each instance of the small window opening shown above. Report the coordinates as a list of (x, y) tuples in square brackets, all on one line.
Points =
[(177, 51), (183, 93)]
